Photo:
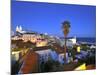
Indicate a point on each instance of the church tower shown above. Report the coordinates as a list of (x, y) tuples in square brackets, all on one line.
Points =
[(18, 29)]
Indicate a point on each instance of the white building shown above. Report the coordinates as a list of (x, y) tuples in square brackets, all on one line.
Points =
[(69, 42), (19, 29), (46, 54), (73, 40), (15, 55), (61, 58)]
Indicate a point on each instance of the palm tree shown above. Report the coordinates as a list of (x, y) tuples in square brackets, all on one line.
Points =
[(65, 28)]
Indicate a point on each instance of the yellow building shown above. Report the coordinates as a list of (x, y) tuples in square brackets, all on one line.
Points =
[(42, 43), (78, 49), (29, 37)]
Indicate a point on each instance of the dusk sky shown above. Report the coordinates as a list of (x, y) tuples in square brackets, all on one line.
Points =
[(47, 18)]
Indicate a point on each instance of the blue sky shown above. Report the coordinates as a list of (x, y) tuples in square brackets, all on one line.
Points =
[(47, 18)]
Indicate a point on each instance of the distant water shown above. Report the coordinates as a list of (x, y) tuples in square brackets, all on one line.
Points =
[(86, 39)]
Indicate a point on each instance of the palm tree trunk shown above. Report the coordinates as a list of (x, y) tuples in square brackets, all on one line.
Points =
[(65, 51)]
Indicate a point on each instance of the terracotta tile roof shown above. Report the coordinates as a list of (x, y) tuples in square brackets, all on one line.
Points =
[(30, 63)]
